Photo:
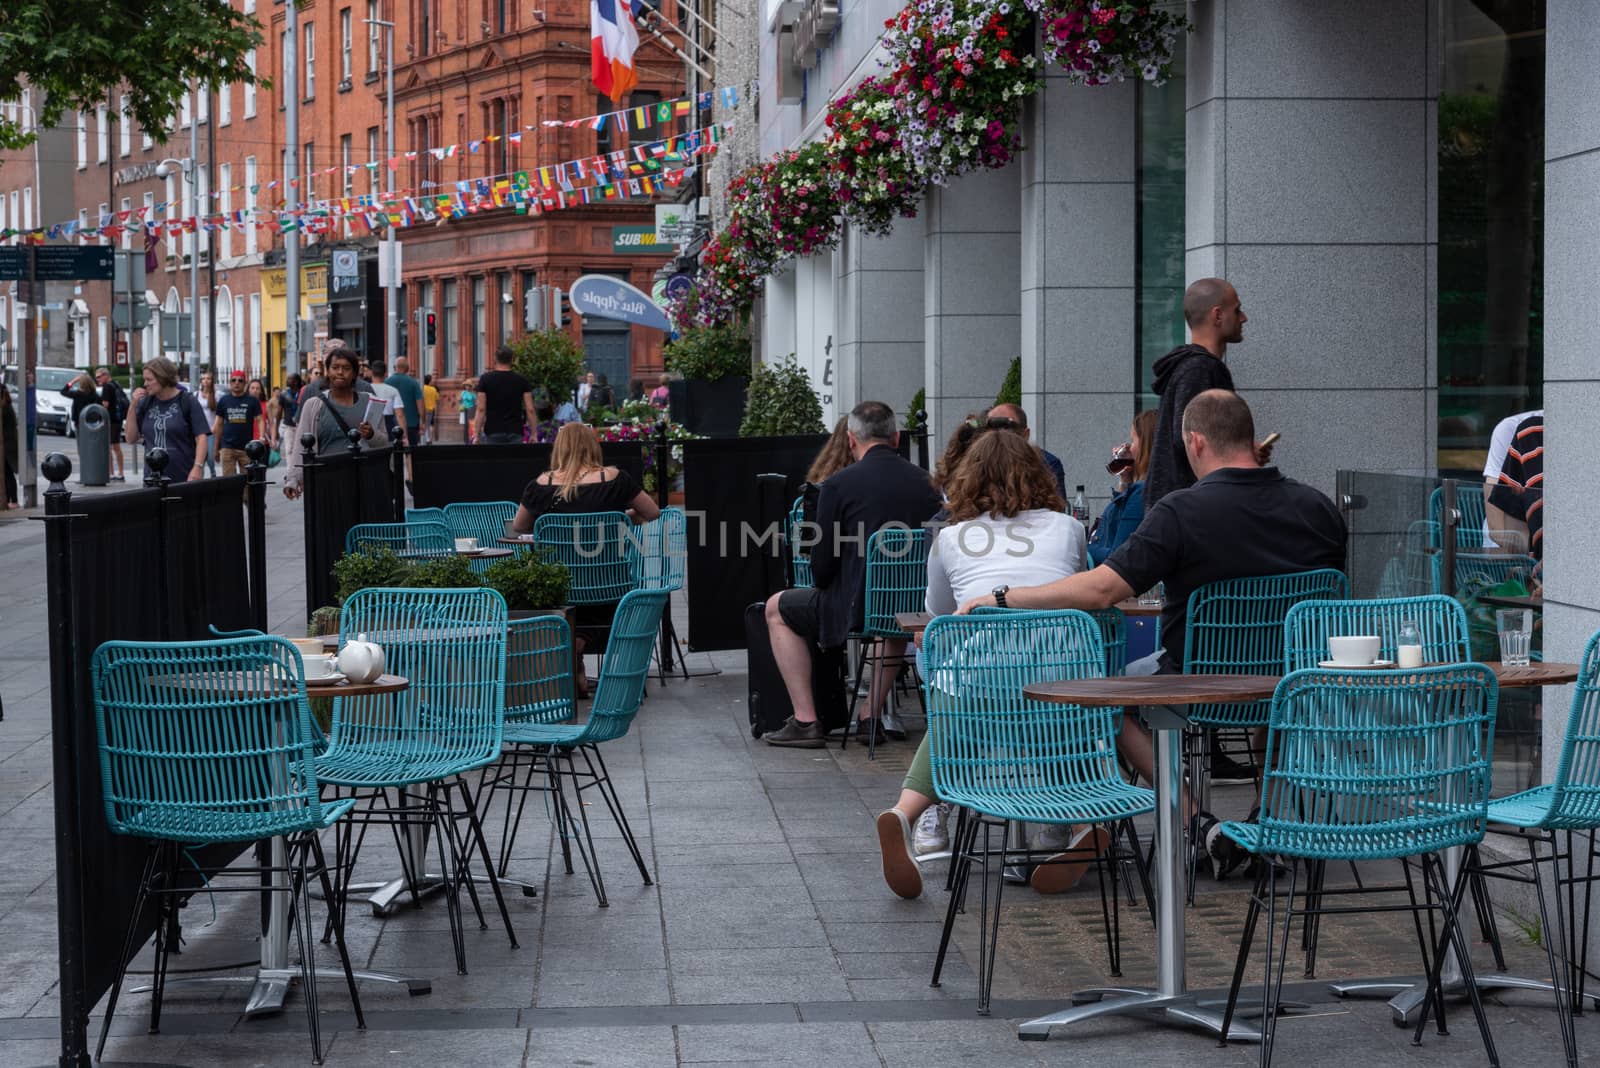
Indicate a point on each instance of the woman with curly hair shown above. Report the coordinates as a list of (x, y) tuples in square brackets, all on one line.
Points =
[(1006, 527)]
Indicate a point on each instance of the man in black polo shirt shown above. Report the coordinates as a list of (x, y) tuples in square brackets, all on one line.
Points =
[(1239, 520), (505, 403)]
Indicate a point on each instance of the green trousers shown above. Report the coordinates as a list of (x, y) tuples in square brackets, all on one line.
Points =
[(919, 777)]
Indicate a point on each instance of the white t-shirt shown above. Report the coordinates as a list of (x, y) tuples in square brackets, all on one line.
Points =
[(389, 395), (1500, 443), (970, 559)]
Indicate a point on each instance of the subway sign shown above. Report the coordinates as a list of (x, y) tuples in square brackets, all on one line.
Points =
[(636, 240)]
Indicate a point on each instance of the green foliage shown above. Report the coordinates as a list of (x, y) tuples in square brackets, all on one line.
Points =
[(781, 401), (76, 54), (453, 572), (916, 410), (550, 360), (363, 570), (1011, 388), (529, 581), (324, 620), (709, 353)]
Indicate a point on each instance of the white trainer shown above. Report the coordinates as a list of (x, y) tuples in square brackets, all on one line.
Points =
[(932, 834)]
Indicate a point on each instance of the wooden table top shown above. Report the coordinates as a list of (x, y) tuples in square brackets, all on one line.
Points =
[(380, 685), (241, 685), (484, 552), (1132, 607), (1147, 690), (913, 622), (526, 539)]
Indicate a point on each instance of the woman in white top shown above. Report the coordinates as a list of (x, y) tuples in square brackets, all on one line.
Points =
[(1008, 526)]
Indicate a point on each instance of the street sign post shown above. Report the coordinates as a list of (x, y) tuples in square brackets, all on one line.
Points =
[(58, 263)]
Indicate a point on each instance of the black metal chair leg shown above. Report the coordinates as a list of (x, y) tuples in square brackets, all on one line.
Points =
[(1246, 938), (336, 917), (475, 830), (581, 835), (989, 930), (960, 867), (301, 918), (1555, 945), (608, 793), (140, 897)]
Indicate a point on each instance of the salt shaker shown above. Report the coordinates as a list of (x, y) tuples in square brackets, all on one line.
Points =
[(1408, 646)]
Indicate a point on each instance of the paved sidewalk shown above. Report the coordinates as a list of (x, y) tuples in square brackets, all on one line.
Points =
[(766, 937)]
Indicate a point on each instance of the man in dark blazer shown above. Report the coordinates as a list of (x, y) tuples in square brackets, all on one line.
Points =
[(879, 489)]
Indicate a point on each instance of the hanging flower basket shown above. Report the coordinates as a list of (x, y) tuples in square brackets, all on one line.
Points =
[(1097, 42), (873, 180)]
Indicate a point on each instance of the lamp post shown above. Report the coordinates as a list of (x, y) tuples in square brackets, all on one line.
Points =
[(391, 292), (163, 169)]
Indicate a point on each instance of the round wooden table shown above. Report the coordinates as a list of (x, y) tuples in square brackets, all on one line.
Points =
[(484, 552), (380, 685), (528, 540), (1133, 607)]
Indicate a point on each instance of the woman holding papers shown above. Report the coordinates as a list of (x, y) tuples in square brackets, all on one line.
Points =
[(333, 413)]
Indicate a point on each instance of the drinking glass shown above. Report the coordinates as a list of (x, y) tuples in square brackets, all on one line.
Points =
[(1516, 635), (1155, 595)]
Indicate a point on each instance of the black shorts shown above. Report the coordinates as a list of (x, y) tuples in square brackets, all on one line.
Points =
[(800, 611)]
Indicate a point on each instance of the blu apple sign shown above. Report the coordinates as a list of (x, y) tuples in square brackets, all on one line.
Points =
[(609, 298)]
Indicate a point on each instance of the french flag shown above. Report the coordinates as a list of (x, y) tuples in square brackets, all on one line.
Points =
[(613, 39)]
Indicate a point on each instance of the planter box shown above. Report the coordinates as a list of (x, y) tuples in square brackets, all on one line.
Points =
[(713, 409)]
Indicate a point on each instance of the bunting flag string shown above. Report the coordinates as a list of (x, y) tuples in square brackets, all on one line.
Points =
[(639, 170), (644, 116)]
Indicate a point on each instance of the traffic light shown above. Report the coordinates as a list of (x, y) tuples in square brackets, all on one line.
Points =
[(533, 308), (563, 309), (432, 333)]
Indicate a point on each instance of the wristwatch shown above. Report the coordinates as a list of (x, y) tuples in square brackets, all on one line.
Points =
[(1000, 596)]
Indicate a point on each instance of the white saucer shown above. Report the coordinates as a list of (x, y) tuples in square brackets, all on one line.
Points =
[(1376, 665), (328, 680)]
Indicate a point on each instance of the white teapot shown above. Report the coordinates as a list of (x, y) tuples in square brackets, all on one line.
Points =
[(360, 660)]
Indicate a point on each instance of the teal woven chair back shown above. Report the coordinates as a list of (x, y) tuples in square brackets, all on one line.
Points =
[(625, 667), (538, 670), (207, 741), (1478, 569), (1114, 637), (800, 564), (666, 550), (484, 520), (1575, 800), (426, 515), (1440, 620), (451, 645), (425, 541), (985, 738), (1236, 628), (1370, 765), (897, 579), (603, 553), (1470, 505)]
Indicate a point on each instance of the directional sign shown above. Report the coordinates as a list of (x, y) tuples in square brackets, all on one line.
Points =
[(59, 263), (610, 298)]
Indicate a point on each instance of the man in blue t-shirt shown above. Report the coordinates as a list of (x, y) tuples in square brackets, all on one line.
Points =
[(235, 425), (410, 391)]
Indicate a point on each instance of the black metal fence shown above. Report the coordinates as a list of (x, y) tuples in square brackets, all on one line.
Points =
[(458, 474), (341, 490), (200, 561)]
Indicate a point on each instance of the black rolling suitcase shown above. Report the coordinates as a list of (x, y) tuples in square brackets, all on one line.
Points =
[(769, 698)]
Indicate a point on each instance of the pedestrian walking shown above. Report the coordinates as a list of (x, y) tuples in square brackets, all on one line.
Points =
[(411, 401), (235, 423), (507, 403), (164, 416), (8, 444), (115, 400), (430, 409), (208, 403), (469, 409), (331, 414), (266, 425)]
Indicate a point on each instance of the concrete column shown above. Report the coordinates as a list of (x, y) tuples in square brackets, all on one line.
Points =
[(1078, 302), (1572, 318), (1311, 186), (972, 273), (880, 317)]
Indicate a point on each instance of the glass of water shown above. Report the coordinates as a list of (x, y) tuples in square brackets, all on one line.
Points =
[(1155, 595), (1516, 635)]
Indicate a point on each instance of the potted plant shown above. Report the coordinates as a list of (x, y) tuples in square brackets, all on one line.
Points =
[(781, 402), (714, 364), (551, 362)]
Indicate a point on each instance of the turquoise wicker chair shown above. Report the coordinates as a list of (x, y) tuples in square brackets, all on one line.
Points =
[(425, 541), (799, 563), (603, 553), (484, 520), (1569, 803), (665, 563), (1371, 766), (623, 673), (897, 581), (420, 743), (1114, 636), (426, 515), (1470, 505), (203, 743), (1006, 758)]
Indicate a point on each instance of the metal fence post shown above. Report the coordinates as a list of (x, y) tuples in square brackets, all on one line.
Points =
[(64, 725), (155, 477), (397, 478), (1448, 517), (922, 438), (663, 463), (308, 469), (255, 476)]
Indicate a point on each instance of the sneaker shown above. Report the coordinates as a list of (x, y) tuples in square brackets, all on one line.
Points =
[(1061, 872), (932, 834), (796, 735), (866, 728), (892, 726), (900, 869), (1226, 855), (1226, 771)]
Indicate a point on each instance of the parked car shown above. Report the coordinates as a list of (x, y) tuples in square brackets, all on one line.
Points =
[(51, 409)]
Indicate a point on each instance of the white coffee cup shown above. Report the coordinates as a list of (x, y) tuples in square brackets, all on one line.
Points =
[(318, 666), (466, 545), (1355, 650)]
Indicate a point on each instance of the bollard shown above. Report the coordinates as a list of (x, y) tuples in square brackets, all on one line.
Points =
[(94, 446)]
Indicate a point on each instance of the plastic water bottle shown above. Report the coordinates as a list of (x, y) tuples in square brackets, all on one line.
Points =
[(1080, 507)]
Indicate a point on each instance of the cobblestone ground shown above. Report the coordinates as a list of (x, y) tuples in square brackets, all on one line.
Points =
[(766, 935)]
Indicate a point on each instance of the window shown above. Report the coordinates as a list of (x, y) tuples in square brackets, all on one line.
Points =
[(125, 209), (148, 215), (202, 103), (500, 15), (250, 205), (480, 324), (27, 208), (424, 305), (249, 87), (145, 140), (602, 136), (171, 199), (83, 226), (425, 46), (225, 105), (100, 336), (225, 208), (344, 45), (347, 180), (285, 87), (83, 141), (26, 118), (185, 111), (249, 7), (124, 128), (309, 61), (16, 214), (509, 306), (100, 222), (102, 134), (447, 317), (374, 33), (372, 156), (306, 180)]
